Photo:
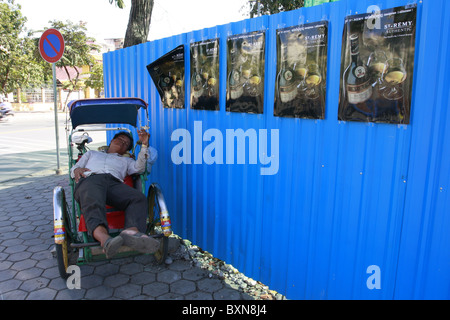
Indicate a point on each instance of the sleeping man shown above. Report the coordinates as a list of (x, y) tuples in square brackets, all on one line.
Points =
[(99, 182)]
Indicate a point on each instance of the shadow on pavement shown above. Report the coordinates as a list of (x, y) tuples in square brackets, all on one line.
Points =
[(29, 271)]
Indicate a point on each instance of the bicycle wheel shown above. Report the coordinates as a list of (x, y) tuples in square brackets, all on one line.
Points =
[(157, 207), (65, 255)]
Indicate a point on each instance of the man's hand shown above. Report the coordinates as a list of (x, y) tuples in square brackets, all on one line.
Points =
[(143, 137), (79, 173)]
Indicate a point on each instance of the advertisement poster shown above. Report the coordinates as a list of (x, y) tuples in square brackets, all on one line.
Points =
[(377, 63), (205, 75), (168, 75), (300, 86), (245, 72)]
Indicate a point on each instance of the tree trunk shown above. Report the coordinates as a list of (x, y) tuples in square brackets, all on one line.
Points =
[(139, 22), (74, 83)]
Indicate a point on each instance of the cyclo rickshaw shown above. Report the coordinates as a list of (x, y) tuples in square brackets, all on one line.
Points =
[(74, 246)]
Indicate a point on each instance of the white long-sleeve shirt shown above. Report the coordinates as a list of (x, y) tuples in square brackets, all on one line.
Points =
[(113, 163)]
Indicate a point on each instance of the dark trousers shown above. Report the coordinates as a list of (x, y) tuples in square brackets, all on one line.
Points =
[(94, 192)]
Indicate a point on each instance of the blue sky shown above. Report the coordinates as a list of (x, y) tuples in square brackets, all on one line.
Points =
[(170, 17)]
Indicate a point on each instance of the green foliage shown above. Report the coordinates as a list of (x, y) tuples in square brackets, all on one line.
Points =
[(119, 3), (267, 7), (77, 52), (78, 46), (18, 68), (95, 80), (22, 66)]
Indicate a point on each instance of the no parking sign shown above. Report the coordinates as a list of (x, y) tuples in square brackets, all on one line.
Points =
[(51, 48), (51, 45)]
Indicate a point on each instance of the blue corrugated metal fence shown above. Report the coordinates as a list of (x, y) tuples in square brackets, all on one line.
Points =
[(347, 196)]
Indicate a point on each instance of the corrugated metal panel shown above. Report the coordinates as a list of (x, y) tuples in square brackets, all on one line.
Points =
[(163, 122), (424, 260), (347, 195), (224, 203), (120, 79), (345, 179)]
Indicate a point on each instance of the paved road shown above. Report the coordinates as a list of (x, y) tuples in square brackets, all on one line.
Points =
[(28, 144), (28, 269)]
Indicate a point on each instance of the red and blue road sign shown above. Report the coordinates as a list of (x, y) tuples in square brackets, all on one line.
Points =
[(51, 45)]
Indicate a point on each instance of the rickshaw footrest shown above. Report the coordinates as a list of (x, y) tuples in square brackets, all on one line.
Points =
[(84, 245)]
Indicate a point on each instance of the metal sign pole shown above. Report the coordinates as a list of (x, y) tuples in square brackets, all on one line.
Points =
[(58, 169)]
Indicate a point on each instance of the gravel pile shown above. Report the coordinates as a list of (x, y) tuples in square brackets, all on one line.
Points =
[(216, 268)]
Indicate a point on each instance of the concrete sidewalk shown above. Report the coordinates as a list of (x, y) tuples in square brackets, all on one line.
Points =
[(28, 269)]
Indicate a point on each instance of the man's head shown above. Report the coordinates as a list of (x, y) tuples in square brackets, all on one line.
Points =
[(121, 142)]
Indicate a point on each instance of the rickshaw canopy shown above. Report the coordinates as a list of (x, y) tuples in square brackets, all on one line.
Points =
[(105, 110)]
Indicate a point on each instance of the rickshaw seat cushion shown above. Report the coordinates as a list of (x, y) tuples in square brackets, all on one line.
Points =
[(115, 218)]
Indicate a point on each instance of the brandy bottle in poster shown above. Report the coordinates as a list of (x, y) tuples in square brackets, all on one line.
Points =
[(286, 83), (234, 82), (245, 72), (357, 79), (377, 64), (204, 75), (301, 71)]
